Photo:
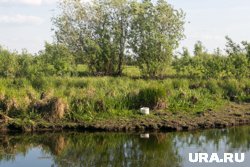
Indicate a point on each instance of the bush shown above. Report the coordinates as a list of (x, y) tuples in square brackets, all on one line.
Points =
[(213, 86), (154, 98), (80, 105), (178, 84), (59, 58), (77, 83), (41, 83), (8, 63), (231, 89), (19, 83)]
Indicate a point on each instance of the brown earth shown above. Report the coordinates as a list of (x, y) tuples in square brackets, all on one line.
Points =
[(231, 115)]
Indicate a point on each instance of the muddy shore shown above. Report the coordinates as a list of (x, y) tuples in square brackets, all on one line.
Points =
[(231, 115)]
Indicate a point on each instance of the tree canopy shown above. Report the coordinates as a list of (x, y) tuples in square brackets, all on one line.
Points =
[(103, 31)]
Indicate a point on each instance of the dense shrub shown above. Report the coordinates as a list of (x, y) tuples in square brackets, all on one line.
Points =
[(8, 63), (232, 89), (234, 64), (213, 86), (59, 59), (180, 84), (41, 83), (153, 98)]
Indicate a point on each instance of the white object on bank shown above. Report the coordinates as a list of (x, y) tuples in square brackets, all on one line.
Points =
[(144, 110)]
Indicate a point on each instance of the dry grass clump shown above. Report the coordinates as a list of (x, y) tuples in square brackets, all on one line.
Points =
[(4, 118), (7, 104), (51, 108)]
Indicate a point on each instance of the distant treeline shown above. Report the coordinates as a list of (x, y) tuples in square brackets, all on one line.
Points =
[(235, 62), (57, 60), (107, 35)]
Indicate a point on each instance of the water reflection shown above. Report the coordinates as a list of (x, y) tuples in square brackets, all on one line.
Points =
[(145, 136), (118, 149)]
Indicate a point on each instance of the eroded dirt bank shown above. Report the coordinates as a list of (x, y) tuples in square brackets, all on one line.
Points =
[(231, 115)]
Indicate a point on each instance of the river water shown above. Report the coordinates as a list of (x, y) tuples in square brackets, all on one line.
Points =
[(122, 149)]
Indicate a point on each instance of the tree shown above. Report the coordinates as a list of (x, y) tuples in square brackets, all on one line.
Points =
[(100, 32), (238, 61), (58, 59), (247, 49), (232, 48), (8, 63), (25, 63), (183, 63), (156, 30), (199, 49), (96, 31)]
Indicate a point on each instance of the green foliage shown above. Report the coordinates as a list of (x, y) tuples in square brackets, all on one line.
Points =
[(216, 65), (8, 63), (58, 60), (97, 32), (155, 35), (92, 97), (232, 89), (103, 32), (180, 84), (238, 66), (213, 87), (151, 96), (26, 64), (55, 60), (148, 97), (81, 106), (19, 83), (142, 33), (132, 71), (41, 83), (199, 49)]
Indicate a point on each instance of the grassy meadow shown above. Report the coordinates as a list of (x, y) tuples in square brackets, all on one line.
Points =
[(80, 99)]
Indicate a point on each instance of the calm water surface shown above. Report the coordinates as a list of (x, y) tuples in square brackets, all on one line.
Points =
[(121, 149)]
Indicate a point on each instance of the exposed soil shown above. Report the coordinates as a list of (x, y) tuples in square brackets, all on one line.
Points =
[(231, 115)]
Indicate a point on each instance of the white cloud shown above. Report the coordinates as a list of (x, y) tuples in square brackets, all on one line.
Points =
[(27, 2), (20, 19)]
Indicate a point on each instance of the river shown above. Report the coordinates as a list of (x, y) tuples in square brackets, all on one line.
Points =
[(121, 149)]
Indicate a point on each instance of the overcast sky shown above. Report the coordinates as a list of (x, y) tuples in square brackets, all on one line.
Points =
[(26, 23)]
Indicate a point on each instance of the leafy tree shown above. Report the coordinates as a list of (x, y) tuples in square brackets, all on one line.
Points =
[(199, 49), (8, 63), (238, 62), (232, 48), (97, 31), (182, 65), (25, 63), (235, 64), (215, 66), (58, 59), (100, 32), (247, 49), (193, 66), (155, 32)]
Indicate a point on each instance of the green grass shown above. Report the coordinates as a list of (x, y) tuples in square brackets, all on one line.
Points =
[(90, 98), (131, 71)]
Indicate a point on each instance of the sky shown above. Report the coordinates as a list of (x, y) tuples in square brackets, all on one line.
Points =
[(27, 23)]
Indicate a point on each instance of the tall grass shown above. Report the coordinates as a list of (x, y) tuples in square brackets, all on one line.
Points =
[(90, 97)]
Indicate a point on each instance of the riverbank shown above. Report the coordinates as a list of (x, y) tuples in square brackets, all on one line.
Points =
[(231, 115), (113, 103)]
